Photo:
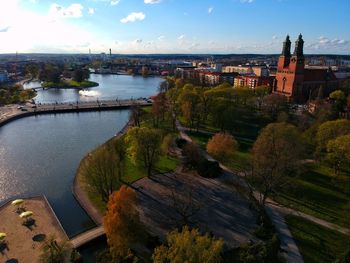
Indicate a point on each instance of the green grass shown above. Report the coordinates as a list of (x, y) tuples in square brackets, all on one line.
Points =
[(317, 244), (318, 193), (71, 84), (135, 172), (241, 159)]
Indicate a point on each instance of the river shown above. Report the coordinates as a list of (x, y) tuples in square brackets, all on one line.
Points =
[(40, 154), (111, 87)]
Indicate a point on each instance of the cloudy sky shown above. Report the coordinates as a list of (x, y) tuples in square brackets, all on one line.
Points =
[(172, 26)]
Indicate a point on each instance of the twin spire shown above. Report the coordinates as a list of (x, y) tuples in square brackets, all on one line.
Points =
[(298, 50)]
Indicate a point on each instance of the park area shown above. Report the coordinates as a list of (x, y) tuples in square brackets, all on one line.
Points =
[(169, 200)]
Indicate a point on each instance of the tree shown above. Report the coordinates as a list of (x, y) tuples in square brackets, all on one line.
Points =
[(273, 104), (159, 108), (338, 152), (33, 70), (122, 223), (135, 114), (185, 206), (101, 170), (330, 130), (260, 93), (145, 146), (80, 75), (276, 155), (222, 145), (54, 252), (339, 99), (189, 246)]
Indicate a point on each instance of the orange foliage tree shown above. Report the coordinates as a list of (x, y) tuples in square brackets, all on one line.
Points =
[(122, 223), (222, 145)]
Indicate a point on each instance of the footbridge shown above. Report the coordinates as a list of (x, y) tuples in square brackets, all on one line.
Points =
[(87, 236)]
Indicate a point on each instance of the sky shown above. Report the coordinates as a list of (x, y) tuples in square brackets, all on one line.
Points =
[(173, 26)]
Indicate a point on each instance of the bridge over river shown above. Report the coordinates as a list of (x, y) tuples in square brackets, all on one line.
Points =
[(8, 114)]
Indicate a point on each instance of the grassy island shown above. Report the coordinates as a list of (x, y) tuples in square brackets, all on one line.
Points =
[(70, 84)]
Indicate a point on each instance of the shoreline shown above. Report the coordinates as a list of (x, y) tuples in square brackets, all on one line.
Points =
[(80, 194)]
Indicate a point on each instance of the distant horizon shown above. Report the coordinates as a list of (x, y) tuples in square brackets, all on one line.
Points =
[(170, 54)]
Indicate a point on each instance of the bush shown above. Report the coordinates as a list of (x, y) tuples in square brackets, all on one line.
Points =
[(195, 159)]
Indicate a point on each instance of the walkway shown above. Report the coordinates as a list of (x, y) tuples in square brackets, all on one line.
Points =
[(87, 236)]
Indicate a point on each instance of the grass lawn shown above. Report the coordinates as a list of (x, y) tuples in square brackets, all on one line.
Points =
[(242, 158), (134, 172), (317, 244), (71, 84), (318, 193)]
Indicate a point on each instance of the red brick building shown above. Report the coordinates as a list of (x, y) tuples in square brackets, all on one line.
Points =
[(252, 81), (298, 82)]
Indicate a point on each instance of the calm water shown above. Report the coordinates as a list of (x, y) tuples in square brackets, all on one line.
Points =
[(40, 155), (111, 87)]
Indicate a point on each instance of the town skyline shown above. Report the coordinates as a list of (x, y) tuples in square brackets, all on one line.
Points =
[(172, 27)]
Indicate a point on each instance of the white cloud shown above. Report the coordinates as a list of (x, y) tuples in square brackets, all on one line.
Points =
[(132, 17), (115, 2), (274, 37), (247, 1), (181, 37), (161, 38), (91, 11), (210, 9), (152, 1), (74, 10)]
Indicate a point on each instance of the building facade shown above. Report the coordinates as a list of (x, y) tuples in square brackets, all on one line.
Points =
[(300, 83)]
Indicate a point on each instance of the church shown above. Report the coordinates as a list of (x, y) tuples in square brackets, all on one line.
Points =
[(298, 82)]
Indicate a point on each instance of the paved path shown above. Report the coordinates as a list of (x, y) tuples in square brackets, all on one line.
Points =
[(289, 211)]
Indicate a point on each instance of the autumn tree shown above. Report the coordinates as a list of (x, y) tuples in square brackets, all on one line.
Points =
[(122, 223), (145, 146), (338, 152), (101, 171), (222, 145), (330, 130), (276, 155), (189, 246), (159, 108), (135, 114)]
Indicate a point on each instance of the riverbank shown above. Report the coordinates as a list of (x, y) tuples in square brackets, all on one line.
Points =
[(79, 187), (70, 84)]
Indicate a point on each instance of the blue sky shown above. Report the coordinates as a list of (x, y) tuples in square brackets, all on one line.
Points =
[(173, 26)]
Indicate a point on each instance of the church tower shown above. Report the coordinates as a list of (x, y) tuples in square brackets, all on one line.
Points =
[(290, 69)]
